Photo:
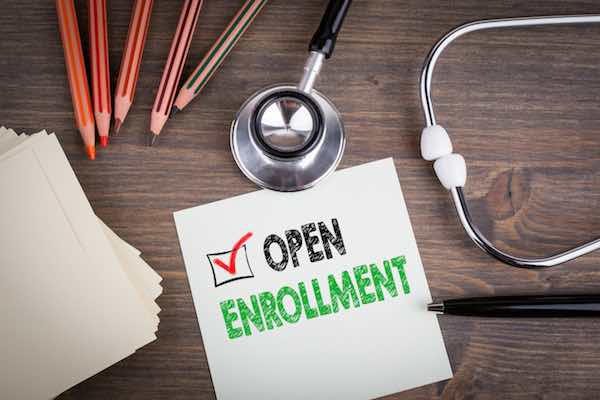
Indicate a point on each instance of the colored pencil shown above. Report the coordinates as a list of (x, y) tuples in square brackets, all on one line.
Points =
[(180, 47), (132, 58), (78, 83), (99, 68), (217, 54)]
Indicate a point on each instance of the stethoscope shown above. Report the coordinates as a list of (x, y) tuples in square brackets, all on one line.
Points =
[(288, 138), (451, 168)]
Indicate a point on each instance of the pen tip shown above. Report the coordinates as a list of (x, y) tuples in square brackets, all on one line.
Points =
[(117, 126), (103, 141), (152, 138), (91, 152), (174, 111), (436, 307)]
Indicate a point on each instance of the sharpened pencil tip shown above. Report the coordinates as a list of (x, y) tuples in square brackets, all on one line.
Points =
[(117, 126), (174, 111), (152, 139), (103, 141), (91, 152)]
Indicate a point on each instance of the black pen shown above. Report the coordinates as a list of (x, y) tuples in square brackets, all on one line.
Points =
[(521, 306)]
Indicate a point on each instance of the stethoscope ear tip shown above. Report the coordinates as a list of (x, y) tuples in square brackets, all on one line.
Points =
[(451, 170), (435, 143)]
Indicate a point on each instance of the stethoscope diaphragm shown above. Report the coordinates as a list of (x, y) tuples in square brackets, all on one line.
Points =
[(289, 138), (285, 140), (287, 123)]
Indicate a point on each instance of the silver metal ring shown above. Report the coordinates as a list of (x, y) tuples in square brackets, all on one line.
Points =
[(274, 171)]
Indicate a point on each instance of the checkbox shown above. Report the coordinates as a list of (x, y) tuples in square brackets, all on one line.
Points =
[(230, 265)]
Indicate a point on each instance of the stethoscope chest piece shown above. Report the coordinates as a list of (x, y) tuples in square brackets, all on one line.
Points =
[(287, 140)]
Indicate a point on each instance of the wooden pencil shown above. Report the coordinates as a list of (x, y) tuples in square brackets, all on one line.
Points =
[(99, 68), (217, 54), (132, 58), (174, 67), (78, 83)]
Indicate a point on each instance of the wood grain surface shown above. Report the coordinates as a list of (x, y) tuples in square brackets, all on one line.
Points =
[(522, 106)]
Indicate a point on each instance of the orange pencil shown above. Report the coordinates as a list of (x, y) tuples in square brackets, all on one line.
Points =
[(100, 70), (78, 83), (132, 58), (180, 47)]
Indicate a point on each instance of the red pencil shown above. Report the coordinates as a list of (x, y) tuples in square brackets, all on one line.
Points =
[(78, 83), (132, 58), (100, 69)]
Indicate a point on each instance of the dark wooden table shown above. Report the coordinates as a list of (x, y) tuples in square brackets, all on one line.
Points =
[(522, 106)]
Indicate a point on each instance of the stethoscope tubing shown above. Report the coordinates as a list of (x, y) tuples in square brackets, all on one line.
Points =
[(484, 244), (457, 193), (440, 46)]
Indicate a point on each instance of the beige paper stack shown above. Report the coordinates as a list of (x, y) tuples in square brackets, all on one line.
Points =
[(74, 297)]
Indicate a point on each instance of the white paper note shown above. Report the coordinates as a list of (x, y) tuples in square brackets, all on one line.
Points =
[(319, 294)]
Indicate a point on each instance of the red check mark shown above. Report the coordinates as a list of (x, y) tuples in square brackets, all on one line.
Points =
[(236, 247)]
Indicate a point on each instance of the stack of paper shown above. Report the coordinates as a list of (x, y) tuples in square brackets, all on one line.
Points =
[(74, 297)]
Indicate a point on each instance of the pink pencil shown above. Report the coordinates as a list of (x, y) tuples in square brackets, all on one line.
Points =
[(132, 58), (100, 70), (180, 47)]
